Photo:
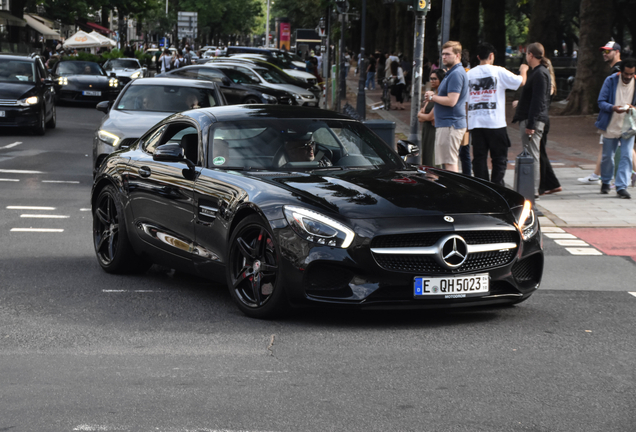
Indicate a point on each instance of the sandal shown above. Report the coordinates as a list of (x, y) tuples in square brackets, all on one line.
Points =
[(555, 190)]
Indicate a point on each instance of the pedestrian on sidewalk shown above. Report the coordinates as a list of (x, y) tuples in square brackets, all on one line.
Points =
[(398, 88), (616, 97), (548, 183), (370, 73), (532, 110), (612, 56), (487, 113), (450, 108), (426, 116)]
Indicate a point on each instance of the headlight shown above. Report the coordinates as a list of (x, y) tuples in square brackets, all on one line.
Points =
[(297, 96), (108, 137), (113, 82), (269, 98), (62, 81), (526, 220), (28, 101), (135, 75), (315, 227)]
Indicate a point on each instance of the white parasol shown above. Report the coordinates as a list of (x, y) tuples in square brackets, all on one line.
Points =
[(82, 39)]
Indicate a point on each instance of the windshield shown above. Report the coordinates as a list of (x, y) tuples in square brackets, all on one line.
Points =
[(166, 98), (298, 145), (272, 76), (292, 57), (122, 64), (79, 68), (16, 71)]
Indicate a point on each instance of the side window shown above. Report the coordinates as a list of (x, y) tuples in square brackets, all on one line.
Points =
[(187, 136), (249, 73), (210, 74), (152, 140), (188, 73), (41, 70)]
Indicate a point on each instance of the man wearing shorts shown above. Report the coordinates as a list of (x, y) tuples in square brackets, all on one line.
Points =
[(450, 108)]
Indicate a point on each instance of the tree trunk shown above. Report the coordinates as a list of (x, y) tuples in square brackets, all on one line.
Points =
[(456, 14), (495, 27), (544, 25), (469, 27), (431, 50), (596, 23)]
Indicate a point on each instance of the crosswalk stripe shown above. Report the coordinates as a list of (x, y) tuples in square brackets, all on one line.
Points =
[(571, 243), (10, 180), (44, 216), (560, 236), (60, 181), (41, 230), (29, 208), (633, 293), (552, 230), (8, 171), (583, 251)]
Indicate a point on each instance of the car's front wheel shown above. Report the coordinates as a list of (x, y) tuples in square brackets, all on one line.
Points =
[(251, 100), (40, 127), (253, 270), (113, 249), (53, 121)]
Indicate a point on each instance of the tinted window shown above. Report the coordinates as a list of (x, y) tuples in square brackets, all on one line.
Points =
[(79, 68), (152, 141), (282, 144), (17, 71), (210, 74), (239, 77), (186, 73), (166, 98)]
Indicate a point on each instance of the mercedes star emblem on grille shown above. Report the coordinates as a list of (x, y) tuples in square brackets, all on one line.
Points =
[(449, 219), (454, 251)]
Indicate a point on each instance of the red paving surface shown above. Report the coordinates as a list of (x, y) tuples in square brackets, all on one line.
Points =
[(610, 241)]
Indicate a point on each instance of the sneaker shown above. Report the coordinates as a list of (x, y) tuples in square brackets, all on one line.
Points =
[(605, 188), (622, 193), (592, 179)]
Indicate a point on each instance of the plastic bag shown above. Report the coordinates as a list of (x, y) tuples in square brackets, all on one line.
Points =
[(629, 124)]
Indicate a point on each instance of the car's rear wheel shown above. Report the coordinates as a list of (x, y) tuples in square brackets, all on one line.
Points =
[(253, 270), (113, 249), (40, 127), (53, 122)]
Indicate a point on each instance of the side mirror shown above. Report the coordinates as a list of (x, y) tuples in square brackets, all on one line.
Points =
[(226, 81), (171, 153), (103, 106), (407, 148)]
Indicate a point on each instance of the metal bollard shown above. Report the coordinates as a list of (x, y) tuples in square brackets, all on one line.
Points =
[(524, 175)]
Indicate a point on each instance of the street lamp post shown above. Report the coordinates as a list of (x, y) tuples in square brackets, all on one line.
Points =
[(343, 7), (267, 26), (361, 105)]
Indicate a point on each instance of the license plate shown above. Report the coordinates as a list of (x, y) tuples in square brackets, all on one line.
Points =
[(311, 104), (91, 93), (451, 287), (1, 113)]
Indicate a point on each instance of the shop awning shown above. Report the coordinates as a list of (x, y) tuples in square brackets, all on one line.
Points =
[(99, 28), (9, 20), (44, 30)]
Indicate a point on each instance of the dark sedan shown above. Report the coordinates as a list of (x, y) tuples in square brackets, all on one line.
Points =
[(298, 207), (83, 81)]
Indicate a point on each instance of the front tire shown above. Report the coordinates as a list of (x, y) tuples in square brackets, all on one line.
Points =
[(251, 100), (53, 122), (254, 270), (110, 238), (40, 127)]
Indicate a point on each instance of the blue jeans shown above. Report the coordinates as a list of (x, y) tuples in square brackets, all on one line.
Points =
[(370, 80), (623, 174), (464, 157)]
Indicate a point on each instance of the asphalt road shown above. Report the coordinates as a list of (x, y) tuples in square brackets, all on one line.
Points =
[(81, 350)]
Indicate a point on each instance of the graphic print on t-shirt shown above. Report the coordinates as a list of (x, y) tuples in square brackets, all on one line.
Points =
[(483, 94)]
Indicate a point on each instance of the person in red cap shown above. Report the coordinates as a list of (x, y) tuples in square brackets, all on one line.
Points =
[(612, 56)]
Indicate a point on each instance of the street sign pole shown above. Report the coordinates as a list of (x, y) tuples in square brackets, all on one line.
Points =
[(361, 104), (421, 7)]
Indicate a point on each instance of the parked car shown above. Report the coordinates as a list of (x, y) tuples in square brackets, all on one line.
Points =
[(142, 104), (125, 69), (83, 81), (236, 86), (27, 98), (284, 65), (307, 207)]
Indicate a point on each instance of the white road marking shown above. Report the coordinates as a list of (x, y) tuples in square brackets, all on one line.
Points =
[(106, 428), (85, 209), (17, 143), (557, 163), (633, 293), (560, 236), (42, 230), (11, 180), (552, 230), (128, 291), (583, 251), (44, 216), (60, 181), (571, 243), (8, 171), (29, 208)]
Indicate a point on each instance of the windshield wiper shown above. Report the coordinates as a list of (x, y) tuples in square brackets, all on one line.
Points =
[(234, 168), (337, 168)]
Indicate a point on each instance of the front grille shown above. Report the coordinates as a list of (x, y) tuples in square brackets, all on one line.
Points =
[(8, 102), (326, 280), (284, 100), (528, 269), (426, 264), (430, 238)]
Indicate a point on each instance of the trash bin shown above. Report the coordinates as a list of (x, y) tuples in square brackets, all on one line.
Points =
[(384, 129)]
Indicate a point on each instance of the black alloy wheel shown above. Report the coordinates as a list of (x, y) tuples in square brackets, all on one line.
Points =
[(40, 128), (253, 270), (53, 122), (114, 252), (251, 100)]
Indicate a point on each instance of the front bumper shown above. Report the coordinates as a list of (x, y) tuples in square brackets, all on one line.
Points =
[(72, 93), (14, 116), (355, 277)]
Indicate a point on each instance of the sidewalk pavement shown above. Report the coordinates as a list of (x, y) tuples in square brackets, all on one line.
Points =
[(573, 147)]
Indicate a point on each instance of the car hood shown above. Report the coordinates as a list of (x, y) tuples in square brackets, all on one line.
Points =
[(131, 124), (268, 90), (299, 74), (292, 89), (364, 194), (12, 90), (87, 79)]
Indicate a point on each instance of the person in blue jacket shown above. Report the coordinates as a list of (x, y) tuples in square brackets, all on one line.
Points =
[(616, 98)]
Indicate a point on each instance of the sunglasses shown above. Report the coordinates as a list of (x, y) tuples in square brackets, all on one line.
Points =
[(607, 51), (305, 146)]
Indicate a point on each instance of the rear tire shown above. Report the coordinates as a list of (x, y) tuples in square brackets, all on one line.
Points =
[(110, 238)]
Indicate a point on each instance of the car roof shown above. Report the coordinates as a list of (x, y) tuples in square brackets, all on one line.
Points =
[(178, 82), (125, 58), (259, 112), (16, 56)]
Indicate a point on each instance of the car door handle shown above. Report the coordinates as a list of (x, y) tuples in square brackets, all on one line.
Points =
[(144, 171)]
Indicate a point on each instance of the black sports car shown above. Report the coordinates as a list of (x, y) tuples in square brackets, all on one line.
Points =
[(83, 81), (296, 207)]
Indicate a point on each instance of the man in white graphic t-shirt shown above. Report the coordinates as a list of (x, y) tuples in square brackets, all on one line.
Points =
[(487, 113)]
